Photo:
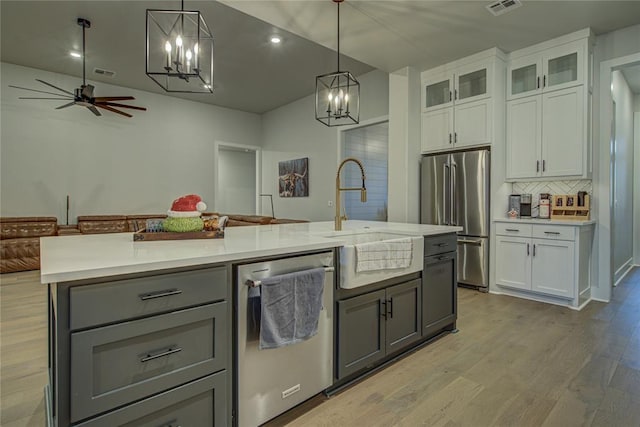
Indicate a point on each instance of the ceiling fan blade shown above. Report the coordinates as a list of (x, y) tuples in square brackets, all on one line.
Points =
[(115, 104), (94, 110), (36, 90), (113, 98), (66, 105), (106, 107), (55, 87), (57, 99), (87, 91)]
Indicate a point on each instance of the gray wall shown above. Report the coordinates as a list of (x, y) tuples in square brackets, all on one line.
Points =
[(622, 219), (109, 164), (291, 132), (236, 182)]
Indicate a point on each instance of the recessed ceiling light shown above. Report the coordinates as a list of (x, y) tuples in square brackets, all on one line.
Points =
[(275, 39), (75, 54), (207, 86)]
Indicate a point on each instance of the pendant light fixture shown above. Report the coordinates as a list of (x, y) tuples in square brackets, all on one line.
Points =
[(179, 50), (337, 94)]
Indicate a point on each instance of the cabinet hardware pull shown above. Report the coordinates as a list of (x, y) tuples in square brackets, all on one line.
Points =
[(538, 82), (455, 137), (449, 138), (382, 304), (390, 305), (470, 242), (544, 81), (552, 232), (439, 244), (160, 294), (455, 93), (534, 249), (444, 257), (544, 165), (527, 249), (172, 423), (512, 229), (450, 98), (537, 165), (164, 353)]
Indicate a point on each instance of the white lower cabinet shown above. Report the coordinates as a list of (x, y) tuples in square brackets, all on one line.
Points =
[(549, 260)]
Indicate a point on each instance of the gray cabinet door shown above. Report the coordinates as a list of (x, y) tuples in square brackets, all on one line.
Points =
[(404, 323), (439, 297), (117, 364), (361, 332), (199, 403)]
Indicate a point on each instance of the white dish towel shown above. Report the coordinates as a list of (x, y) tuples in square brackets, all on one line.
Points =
[(390, 254)]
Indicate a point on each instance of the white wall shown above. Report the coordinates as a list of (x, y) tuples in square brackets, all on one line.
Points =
[(622, 218), (636, 183), (404, 145), (236, 182), (291, 132), (608, 47), (109, 164)]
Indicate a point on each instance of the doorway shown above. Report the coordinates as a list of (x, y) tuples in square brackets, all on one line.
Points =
[(237, 178), (617, 178)]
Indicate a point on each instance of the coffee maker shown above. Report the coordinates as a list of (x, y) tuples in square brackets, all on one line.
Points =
[(525, 205)]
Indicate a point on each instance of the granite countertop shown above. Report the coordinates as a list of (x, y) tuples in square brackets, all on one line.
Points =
[(75, 257), (543, 221)]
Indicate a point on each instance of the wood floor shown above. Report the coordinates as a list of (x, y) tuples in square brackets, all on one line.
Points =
[(513, 363)]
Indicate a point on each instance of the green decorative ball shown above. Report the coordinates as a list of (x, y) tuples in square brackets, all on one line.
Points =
[(183, 225)]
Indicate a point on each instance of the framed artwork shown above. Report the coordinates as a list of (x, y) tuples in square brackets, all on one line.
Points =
[(293, 179)]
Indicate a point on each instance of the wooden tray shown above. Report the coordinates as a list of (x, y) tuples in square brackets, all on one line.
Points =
[(144, 236)]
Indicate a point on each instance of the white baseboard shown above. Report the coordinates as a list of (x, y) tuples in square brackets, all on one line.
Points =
[(625, 269)]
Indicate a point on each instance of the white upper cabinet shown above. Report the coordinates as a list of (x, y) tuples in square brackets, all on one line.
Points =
[(548, 99), (553, 69), (458, 102)]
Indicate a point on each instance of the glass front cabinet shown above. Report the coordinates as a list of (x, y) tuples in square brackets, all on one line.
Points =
[(451, 86), (553, 69)]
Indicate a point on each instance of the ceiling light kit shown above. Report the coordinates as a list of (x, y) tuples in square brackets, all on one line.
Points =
[(83, 95), (179, 50), (75, 54), (275, 39), (337, 94)]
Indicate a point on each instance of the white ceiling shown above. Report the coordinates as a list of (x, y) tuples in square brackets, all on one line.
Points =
[(252, 75)]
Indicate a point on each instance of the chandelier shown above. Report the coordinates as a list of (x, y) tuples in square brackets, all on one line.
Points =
[(179, 51), (337, 94)]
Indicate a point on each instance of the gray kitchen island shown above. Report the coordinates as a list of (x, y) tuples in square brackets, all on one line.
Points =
[(146, 333)]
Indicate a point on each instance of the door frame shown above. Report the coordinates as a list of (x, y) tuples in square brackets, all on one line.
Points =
[(216, 158), (602, 289)]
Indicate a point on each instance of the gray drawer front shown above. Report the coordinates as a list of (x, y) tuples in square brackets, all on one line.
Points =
[(434, 245), (114, 365), (115, 301), (200, 403)]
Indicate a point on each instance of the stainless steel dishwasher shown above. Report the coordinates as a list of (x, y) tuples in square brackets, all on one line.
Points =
[(269, 382)]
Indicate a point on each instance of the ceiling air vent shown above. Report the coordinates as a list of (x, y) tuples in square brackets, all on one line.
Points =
[(503, 6), (102, 72)]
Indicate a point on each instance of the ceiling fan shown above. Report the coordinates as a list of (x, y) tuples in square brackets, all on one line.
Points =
[(83, 95)]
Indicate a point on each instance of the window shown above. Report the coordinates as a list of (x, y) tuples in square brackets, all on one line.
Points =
[(370, 145)]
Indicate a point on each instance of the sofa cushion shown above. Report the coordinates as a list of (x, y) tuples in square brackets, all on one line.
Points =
[(19, 254), (35, 226), (97, 224)]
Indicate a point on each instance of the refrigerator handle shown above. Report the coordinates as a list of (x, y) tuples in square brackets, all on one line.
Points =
[(454, 214), (445, 175)]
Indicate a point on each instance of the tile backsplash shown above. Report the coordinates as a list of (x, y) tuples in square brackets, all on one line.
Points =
[(552, 187)]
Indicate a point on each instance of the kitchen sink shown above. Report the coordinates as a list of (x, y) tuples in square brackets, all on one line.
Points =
[(350, 278)]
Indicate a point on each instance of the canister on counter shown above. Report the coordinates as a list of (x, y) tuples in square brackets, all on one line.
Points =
[(514, 206), (545, 209)]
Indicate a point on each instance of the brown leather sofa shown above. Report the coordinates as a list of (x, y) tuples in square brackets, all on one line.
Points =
[(20, 236), (20, 241)]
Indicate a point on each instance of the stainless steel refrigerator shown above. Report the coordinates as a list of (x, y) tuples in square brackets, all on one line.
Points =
[(455, 191)]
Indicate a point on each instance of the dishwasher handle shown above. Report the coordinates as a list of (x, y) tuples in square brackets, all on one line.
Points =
[(252, 283)]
